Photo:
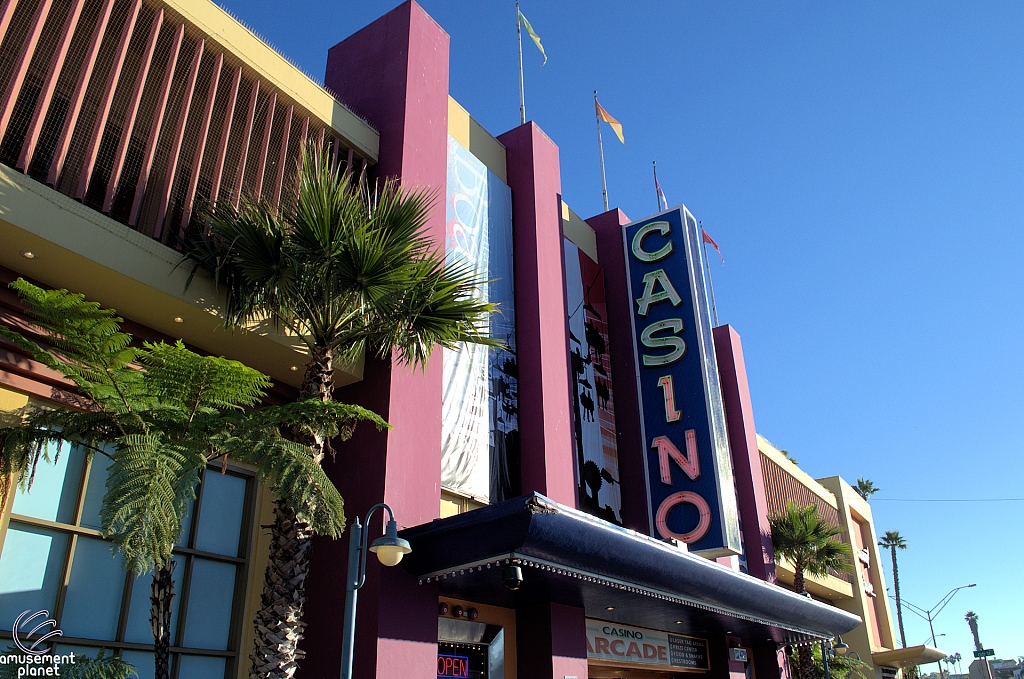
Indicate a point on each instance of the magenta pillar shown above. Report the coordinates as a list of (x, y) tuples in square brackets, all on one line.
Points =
[(551, 641), (746, 460), (632, 452), (542, 330), (393, 72)]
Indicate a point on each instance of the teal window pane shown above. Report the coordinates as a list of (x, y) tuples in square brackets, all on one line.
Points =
[(138, 630), (95, 488), (186, 525), (54, 492), (143, 663), (202, 667), (209, 604), (30, 571), (220, 520), (93, 602)]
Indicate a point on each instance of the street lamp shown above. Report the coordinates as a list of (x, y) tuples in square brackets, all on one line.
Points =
[(934, 611), (837, 648), (389, 550)]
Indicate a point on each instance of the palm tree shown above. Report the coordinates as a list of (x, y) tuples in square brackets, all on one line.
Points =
[(893, 541), (865, 488), (800, 535), (346, 271), (160, 413), (972, 621)]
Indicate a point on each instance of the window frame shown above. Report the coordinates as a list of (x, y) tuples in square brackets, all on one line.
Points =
[(243, 562)]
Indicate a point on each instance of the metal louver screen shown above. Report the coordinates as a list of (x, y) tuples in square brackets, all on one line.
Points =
[(125, 107)]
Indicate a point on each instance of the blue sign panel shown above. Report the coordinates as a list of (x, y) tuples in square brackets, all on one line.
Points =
[(689, 471)]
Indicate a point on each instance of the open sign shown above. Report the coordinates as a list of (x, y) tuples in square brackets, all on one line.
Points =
[(452, 666)]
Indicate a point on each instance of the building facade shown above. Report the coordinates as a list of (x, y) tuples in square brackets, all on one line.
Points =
[(576, 506)]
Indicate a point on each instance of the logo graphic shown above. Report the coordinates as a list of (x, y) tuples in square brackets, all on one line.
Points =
[(23, 621)]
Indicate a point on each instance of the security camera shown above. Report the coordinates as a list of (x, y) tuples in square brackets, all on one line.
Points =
[(512, 576)]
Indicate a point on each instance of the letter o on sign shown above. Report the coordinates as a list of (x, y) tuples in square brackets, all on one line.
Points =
[(682, 498)]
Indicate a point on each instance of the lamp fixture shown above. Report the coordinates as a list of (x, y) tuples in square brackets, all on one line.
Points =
[(609, 608), (179, 319), (294, 368), (28, 254)]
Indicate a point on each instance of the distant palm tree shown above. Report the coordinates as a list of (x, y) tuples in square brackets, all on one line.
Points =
[(802, 536), (972, 620), (893, 541), (865, 488)]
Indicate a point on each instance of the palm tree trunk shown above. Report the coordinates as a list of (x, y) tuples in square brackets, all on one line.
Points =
[(899, 607), (806, 665), (160, 618), (279, 624)]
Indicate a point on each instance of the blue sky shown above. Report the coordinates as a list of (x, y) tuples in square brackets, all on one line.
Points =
[(861, 167)]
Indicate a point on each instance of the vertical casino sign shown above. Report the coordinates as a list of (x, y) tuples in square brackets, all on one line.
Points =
[(689, 471)]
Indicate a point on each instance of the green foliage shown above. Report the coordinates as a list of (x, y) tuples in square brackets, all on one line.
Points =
[(866, 488), (839, 666), (893, 540), (103, 666), (789, 457), (161, 413), (800, 535), (345, 270)]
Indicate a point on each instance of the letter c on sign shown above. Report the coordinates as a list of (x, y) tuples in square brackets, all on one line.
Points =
[(685, 497), (637, 246)]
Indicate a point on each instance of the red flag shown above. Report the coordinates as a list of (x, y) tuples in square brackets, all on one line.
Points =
[(710, 241)]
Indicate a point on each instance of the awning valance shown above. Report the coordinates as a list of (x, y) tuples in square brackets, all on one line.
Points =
[(613, 573)]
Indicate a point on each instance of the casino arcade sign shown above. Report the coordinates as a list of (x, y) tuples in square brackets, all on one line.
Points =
[(689, 472)]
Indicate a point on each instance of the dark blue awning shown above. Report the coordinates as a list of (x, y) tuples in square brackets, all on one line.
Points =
[(613, 573)]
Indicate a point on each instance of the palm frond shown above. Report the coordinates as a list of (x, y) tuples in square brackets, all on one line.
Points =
[(802, 536)]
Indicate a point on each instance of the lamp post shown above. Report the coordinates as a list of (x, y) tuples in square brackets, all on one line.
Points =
[(389, 550), (933, 612)]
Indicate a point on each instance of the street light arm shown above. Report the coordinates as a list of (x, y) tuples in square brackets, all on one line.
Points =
[(364, 540), (946, 599), (917, 610)]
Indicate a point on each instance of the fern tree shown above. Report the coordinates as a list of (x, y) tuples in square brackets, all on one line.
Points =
[(161, 413), (893, 541), (347, 271), (800, 535)]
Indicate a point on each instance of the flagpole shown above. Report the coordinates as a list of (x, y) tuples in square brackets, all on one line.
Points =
[(522, 92), (600, 148), (657, 197), (711, 285)]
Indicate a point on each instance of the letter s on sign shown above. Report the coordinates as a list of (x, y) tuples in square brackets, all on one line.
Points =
[(678, 346), (637, 246)]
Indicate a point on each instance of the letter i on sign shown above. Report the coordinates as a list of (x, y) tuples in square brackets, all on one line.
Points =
[(669, 392)]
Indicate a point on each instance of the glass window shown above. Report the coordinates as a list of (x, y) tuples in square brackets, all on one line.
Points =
[(143, 662), (138, 630), (30, 571), (95, 488), (212, 593), (54, 493), (34, 561), (220, 520), (92, 605), (201, 667)]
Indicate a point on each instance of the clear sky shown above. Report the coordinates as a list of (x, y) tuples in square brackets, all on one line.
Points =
[(860, 165)]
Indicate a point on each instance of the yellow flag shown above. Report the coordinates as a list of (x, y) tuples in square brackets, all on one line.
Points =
[(536, 39), (606, 117)]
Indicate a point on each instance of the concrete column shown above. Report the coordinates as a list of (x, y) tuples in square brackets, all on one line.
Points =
[(739, 418), (551, 642), (542, 322), (394, 72), (632, 452)]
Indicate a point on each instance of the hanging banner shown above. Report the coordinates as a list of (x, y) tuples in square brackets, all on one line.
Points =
[(689, 470)]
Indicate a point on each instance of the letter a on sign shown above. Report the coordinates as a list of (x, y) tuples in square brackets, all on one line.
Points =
[(666, 449)]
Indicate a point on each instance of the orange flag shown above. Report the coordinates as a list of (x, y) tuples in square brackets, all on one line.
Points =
[(606, 117)]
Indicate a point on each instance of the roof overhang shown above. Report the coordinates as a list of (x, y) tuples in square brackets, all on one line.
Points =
[(613, 573), (910, 656)]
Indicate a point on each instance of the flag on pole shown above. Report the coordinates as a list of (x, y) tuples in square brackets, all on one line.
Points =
[(606, 117), (657, 187), (536, 39), (710, 241)]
